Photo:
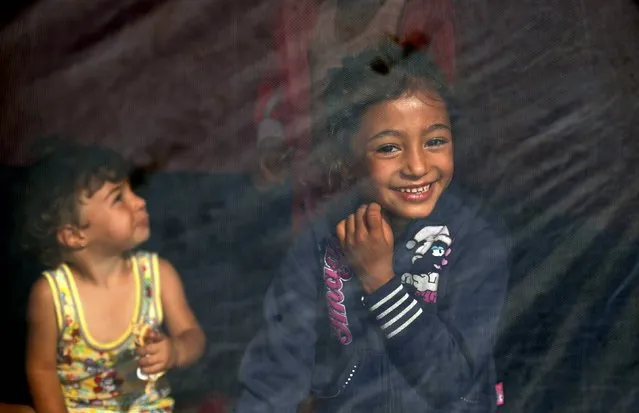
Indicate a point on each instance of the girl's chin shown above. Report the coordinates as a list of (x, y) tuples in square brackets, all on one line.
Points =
[(409, 210)]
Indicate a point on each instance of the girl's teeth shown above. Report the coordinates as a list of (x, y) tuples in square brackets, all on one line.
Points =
[(415, 190)]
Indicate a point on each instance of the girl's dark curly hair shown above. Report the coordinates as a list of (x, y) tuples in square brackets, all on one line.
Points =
[(387, 72), (55, 183)]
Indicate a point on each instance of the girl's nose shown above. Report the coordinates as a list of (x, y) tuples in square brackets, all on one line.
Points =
[(415, 162)]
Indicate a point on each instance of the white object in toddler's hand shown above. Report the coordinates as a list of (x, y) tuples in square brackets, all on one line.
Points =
[(142, 331), (141, 375)]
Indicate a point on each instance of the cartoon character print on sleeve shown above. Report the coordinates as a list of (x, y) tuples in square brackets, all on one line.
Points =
[(432, 245)]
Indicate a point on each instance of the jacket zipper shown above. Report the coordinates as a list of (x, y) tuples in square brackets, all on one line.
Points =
[(349, 378)]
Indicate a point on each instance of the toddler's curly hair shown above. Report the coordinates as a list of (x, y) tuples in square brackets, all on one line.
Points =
[(55, 184)]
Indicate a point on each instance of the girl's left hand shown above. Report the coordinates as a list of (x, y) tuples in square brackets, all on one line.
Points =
[(367, 239), (157, 356)]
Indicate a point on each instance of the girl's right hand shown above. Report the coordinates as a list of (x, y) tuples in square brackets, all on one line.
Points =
[(367, 240)]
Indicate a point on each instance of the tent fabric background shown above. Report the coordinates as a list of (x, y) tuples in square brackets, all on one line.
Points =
[(136, 74), (552, 87)]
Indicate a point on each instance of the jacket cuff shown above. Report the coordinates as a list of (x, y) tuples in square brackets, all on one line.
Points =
[(393, 308)]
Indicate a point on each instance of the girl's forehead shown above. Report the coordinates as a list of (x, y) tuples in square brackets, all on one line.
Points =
[(424, 95), (418, 100), (419, 106)]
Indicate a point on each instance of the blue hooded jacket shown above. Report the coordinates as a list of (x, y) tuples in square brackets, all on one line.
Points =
[(423, 342)]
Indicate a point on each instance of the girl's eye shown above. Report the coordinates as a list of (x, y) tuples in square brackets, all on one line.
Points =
[(436, 142), (118, 198), (387, 149)]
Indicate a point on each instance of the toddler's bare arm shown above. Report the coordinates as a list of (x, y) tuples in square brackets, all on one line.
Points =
[(41, 351), (184, 329)]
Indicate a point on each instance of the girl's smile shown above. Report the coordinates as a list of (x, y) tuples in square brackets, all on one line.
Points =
[(415, 193), (406, 146)]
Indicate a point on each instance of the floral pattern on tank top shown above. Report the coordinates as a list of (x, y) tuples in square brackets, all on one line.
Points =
[(103, 376)]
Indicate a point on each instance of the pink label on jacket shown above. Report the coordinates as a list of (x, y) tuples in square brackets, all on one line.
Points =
[(499, 389), (335, 274)]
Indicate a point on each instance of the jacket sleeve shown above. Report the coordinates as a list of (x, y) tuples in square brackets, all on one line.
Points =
[(442, 353), (276, 369)]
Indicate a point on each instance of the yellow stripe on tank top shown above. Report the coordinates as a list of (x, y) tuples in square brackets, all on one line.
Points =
[(55, 292), (157, 296), (80, 311)]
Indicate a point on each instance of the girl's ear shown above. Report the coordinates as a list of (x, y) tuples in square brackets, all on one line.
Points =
[(72, 238)]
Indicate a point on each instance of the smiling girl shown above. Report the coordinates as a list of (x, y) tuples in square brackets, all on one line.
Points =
[(390, 302)]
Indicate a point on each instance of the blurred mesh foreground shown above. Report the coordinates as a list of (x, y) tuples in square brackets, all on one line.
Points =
[(551, 88)]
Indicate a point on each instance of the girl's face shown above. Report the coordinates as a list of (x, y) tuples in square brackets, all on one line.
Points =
[(406, 148)]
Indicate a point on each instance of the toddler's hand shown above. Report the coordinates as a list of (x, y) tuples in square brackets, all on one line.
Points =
[(367, 240), (157, 355)]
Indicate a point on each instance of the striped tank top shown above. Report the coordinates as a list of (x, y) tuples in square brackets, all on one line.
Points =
[(103, 376)]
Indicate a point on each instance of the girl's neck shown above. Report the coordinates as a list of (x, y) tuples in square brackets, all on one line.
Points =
[(102, 271), (398, 225)]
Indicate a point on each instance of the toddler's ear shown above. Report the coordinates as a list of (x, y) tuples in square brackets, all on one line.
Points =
[(72, 238)]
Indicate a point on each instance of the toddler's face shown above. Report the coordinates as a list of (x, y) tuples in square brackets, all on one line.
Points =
[(117, 217), (406, 148)]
